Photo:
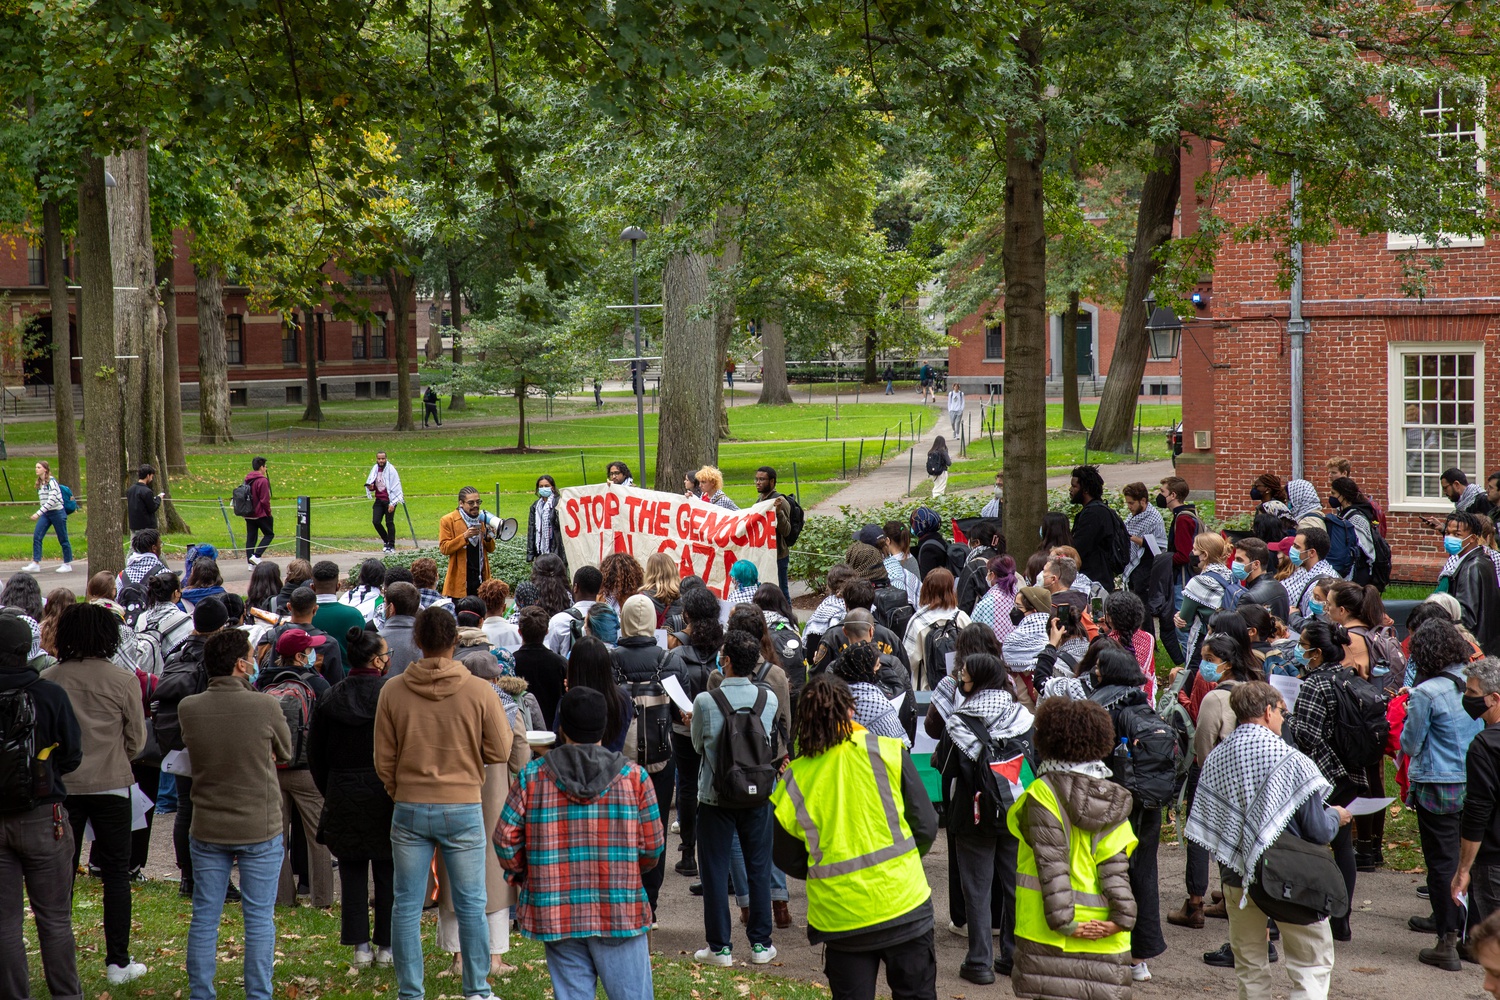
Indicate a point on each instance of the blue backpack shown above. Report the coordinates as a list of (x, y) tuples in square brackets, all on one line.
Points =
[(70, 506), (1343, 543)]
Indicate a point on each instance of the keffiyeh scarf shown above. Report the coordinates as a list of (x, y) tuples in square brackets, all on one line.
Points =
[(1302, 498), (1450, 566), (873, 711), (1471, 493), (1251, 786), (999, 713), (1207, 588), (543, 524), (1088, 768), (1299, 585), (1150, 527), (1025, 642), (993, 609)]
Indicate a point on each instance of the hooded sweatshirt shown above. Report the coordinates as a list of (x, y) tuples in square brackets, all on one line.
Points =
[(436, 727), (55, 724)]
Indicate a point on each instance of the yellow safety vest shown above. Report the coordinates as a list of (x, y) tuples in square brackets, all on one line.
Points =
[(845, 805), (1085, 852)]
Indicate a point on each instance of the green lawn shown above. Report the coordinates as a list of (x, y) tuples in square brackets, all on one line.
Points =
[(311, 963)]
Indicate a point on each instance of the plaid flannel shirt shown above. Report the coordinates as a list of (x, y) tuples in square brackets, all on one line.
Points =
[(1313, 720), (579, 864)]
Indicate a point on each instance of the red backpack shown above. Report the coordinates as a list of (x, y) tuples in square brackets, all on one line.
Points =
[(297, 699)]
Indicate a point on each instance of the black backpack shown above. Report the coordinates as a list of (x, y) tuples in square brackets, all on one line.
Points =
[(180, 678), (1118, 553), (1146, 755), (796, 517), (790, 653), (297, 699), (132, 597), (940, 640), (974, 580), (934, 464), (242, 501), (746, 771), (24, 780), (958, 555), (893, 609), (1363, 571), (976, 798), (1360, 727), (652, 726), (1298, 883)]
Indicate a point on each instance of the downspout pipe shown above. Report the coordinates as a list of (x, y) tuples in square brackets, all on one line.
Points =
[(1296, 328)]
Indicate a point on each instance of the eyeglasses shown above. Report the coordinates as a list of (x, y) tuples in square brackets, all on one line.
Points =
[(470, 503)]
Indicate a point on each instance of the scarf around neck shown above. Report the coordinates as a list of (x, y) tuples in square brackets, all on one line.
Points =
[(1150, 527), (1088, 768), (1251, 786), (997, 710), (1470, 494)]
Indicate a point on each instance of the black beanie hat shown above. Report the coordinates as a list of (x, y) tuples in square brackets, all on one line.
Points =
[(582, 714), (15, 641)]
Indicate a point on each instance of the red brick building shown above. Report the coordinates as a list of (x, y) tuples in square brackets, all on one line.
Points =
[(1401, 386), (267, 366)]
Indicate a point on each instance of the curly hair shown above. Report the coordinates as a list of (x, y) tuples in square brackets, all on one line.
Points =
[(824, 716), (424, 572), (1073, 731), (857, 665), (1126, 613), (1436, 646), (22, 591), (700, 616), (87, 631), (494, 594), (622, 575)]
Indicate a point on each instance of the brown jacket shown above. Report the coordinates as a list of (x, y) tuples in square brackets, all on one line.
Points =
[(107, 700), (436, 727), (1096, 805), (234, 736), (453, 541)]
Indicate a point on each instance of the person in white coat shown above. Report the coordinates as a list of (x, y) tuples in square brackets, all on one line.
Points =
[(383, 487)]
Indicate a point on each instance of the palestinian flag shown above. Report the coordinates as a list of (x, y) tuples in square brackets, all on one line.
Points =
[(1015, 773)]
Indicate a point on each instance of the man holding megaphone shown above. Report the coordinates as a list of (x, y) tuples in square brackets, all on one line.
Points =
[(467, 537)]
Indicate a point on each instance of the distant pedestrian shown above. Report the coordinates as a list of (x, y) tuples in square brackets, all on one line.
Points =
[(598, 394), (543, 528), (260, 520), (890, 380), (956, 411), (938, 464), (141, 504), (925, 378), (729, 373), (430, 407), (464, 536), (593, 918), (50, 513), (994, 510), (383, 487)]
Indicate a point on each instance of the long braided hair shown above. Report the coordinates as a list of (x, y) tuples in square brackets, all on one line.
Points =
[(824, 716)]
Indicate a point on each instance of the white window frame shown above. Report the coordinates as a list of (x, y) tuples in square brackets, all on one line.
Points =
[(1396, 419), (1447, 241)]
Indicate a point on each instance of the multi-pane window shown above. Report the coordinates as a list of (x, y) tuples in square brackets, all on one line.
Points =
[(1440, 419), (1452, 123), (377, 336), (291, 339), (994, 342), (358, 336), (234, 339), (36, 264)]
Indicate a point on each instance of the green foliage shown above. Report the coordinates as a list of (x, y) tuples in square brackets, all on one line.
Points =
[(507, 562)]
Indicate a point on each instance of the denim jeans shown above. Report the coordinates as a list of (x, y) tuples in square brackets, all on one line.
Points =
[(621, 965), (166, 794), (741, 883), (58, 522), (717, 827), (260, 865), (418, 829), (36, 850)]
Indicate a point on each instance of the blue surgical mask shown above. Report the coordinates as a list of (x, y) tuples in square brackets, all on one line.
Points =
[(1314, 607), (1295, 555), (1452, 544), (1299, 656), (1209, 670), (1240, 570), (312, 657), (544, 491)]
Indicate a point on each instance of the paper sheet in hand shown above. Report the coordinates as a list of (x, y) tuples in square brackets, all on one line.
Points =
[(1288, 686), (1367, 807), (673, 687), (177, 762), (661, 638), (897, 702), (724, 608), (948, 662)]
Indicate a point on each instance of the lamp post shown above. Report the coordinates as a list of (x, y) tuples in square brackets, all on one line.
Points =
[(1164, 329), (637, 375)]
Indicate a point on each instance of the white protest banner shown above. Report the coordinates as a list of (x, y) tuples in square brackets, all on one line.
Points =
[(704, 539)]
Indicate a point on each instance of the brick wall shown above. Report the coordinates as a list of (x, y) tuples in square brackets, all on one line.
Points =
[(967, 359)]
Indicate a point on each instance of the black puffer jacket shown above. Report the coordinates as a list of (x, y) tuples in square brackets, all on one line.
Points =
[(182, 676), (1475, 589), (356, 820), (638, 657)]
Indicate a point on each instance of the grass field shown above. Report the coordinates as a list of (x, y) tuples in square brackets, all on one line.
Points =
[(311, 963), (814, 446)]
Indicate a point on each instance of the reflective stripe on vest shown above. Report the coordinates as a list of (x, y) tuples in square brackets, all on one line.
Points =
[(899, 845), (1025, 881)]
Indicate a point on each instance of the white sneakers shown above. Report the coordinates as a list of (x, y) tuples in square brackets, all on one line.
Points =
[(32, 567), (1139, 973), (707, 956), (118, 974), (254, 560), (383, 958), (64, 568), (762, 954), (363, 956)]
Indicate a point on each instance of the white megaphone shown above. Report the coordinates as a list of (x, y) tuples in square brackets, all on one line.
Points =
[(503, 528)]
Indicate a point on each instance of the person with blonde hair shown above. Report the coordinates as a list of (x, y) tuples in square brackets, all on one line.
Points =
[(662, 583), (1204, 594), (711, 488)]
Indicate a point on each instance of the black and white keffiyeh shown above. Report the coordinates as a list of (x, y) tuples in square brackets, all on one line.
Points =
[(874, 711), (1149, 526), (1251, 786), (997, 711), (1471, 492), (543, 523), (1302, 498), (1207, 588)]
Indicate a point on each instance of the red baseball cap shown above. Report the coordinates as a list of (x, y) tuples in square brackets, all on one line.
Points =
[(1284, 546), (294, 641)]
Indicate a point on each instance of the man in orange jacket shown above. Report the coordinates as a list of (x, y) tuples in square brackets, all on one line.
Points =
[(464, 536)]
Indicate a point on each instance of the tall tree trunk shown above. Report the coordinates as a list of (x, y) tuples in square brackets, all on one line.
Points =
[(134, 264), (215, 423), (101, 386), (1153, 228), (872, 348), (773, 387), (62, 346), (455, 295), (725, 314), (399, 284), (164, 389), (1072, 416), (521, 417), (314, 408), (687, 427), (1024, 254), (174, 450)]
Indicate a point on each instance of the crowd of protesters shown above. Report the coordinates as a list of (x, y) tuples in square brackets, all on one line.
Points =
[(511, 754)]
